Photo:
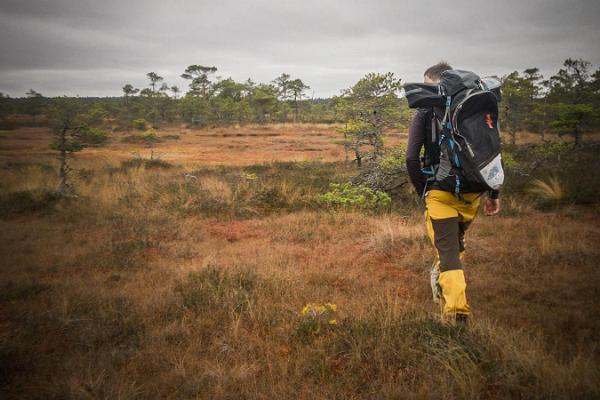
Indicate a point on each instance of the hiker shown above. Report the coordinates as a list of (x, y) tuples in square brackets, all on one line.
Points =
[(448, 212)]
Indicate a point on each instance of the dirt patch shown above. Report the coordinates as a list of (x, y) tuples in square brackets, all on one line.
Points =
[(233, 231)]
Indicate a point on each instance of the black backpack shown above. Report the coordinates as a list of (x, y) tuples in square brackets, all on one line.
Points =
[(463, 139)]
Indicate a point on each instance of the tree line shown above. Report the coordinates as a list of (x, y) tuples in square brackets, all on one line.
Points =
[(568, 102), (565, 103), (208, 101)]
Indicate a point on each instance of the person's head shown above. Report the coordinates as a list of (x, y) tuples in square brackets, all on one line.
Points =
[(433, 74)]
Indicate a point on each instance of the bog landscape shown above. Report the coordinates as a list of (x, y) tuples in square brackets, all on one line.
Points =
[(246, 241)]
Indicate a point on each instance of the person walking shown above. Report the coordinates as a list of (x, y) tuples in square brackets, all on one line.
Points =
[(447, 215)]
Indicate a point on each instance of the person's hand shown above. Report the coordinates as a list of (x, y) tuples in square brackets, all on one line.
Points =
[(491, 206)]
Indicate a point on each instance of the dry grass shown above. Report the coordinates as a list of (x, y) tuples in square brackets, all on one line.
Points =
[(550, 189), (156, 285), (247, 145)]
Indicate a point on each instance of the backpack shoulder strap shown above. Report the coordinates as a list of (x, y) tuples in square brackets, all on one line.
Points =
[(431, 144)]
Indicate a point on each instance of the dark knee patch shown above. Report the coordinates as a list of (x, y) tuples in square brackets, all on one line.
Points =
[(447, 242)]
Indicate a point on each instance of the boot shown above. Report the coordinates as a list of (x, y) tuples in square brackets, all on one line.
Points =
[(462, 320)]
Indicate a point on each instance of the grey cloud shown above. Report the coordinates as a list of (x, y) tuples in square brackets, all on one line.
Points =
[(92, 48)]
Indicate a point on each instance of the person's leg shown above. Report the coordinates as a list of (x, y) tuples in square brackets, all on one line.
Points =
[(452, 277), (467, 210), (435, 267), (443, 229), (466, 214)]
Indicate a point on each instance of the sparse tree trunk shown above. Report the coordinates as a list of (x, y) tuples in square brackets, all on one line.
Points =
[(295, 108), (377, 143), (378, 140), (544, 122), (128, 109), (346, 145), (358, 157)]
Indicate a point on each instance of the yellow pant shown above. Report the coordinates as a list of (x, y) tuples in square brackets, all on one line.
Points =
[(447, 219)]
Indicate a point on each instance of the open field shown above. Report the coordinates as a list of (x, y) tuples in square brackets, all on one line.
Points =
[(153, 284), (189, 147), (250, 144)]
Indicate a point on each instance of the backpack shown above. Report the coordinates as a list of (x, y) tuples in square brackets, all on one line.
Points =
[(463, 138)]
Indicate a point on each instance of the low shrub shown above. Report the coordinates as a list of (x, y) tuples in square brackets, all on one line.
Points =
[(346, 195), (26, 201), (139, 124), (148, 163)]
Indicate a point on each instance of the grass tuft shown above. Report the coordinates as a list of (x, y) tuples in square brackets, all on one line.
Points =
[(550, 189)]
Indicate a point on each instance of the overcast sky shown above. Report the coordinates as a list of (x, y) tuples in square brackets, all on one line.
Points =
[(92, 47)]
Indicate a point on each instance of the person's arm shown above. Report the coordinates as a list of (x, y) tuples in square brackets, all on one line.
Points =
[(491, 206), (416, 139)]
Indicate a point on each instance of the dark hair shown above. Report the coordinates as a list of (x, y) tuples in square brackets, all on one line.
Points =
[(435, 71)]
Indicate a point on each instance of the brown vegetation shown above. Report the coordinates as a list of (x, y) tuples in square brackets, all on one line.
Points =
[(245, 145), (189, 281)]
